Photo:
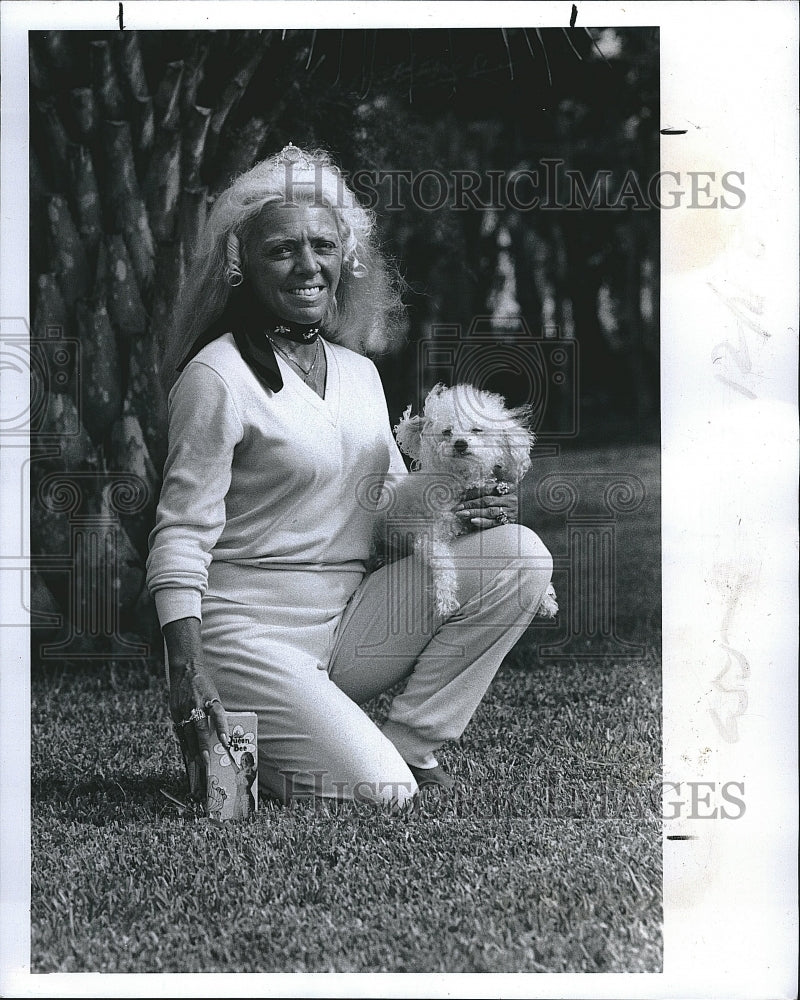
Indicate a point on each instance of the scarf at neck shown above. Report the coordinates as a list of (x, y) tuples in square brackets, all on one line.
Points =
[(245, 318)]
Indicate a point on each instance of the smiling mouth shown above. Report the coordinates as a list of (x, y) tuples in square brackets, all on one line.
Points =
[(306, 293)]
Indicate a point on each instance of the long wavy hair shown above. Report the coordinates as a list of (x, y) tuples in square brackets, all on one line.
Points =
[(367, 314)]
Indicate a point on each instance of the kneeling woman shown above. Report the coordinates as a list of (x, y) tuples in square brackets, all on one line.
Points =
[(258, 557)]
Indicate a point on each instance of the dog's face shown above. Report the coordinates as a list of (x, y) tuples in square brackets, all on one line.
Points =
[(467, 432)]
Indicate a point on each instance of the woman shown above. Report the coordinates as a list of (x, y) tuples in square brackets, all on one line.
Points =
[(244, 804), (258, 557)]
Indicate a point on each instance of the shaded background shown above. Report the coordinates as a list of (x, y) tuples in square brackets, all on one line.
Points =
[(133, 134)]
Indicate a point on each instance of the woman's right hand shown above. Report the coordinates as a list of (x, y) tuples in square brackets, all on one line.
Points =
[(193, 700)]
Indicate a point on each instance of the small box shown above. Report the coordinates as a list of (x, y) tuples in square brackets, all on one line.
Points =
[(232, 774)]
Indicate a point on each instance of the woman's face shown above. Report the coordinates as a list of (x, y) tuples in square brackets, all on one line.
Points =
[(293, 259)]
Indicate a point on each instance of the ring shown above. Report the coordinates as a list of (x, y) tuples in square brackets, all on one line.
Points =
[(502, 488), (501, 518), (196, 715)]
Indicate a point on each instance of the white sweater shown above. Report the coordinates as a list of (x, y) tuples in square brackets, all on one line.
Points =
[(266, 479)]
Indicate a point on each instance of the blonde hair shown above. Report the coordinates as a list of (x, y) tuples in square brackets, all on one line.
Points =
[(367, 314)]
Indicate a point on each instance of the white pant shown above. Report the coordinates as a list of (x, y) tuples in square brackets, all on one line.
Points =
[(314, 738)]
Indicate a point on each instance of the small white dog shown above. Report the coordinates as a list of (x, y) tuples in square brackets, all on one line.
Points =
[(475, 440)]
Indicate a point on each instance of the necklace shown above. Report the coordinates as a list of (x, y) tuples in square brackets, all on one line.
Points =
[(298, 332), (306, 371)]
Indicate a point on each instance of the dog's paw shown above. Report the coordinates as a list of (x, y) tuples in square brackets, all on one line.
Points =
[(445, 592), (446, 604), (548, 606)]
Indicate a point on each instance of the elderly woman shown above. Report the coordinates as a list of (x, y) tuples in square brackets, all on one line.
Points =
[(258, 559)]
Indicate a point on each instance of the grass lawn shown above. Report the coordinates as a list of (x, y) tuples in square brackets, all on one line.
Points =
[(546, 859)]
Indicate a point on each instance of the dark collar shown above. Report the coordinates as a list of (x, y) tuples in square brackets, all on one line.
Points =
[(245, 320)]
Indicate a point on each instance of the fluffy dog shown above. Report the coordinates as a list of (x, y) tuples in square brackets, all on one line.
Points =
[(473, 439)]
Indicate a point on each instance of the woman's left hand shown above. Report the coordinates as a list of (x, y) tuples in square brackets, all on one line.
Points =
[(495, 502)]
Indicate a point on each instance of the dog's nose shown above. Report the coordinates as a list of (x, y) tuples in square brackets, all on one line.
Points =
[(460, 445)]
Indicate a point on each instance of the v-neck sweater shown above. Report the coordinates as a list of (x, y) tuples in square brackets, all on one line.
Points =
[(257, 480)]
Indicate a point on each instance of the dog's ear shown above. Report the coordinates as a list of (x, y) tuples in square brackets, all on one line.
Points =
[(517, 440), (409, 433), (430, 405)]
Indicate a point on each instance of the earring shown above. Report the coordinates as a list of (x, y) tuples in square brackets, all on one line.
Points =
[(233, 263)]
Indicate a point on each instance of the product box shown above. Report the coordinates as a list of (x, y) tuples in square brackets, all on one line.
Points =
[(231, 774)]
